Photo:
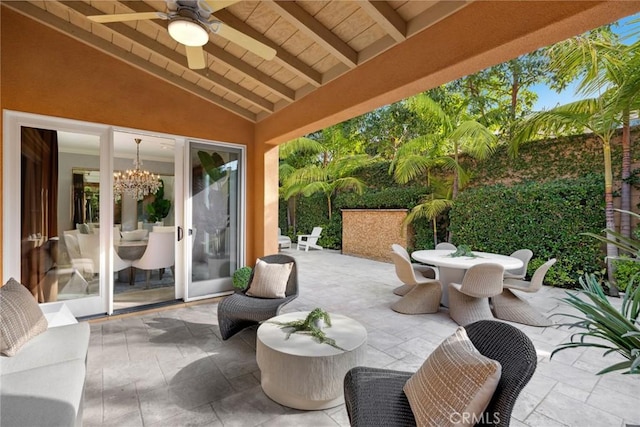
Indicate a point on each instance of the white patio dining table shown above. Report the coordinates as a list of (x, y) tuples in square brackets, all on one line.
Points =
[(452, 269)]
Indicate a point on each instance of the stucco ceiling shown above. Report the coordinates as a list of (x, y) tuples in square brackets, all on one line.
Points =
[(317, 43)]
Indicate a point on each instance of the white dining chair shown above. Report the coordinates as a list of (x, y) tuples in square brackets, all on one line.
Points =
[(446, 245), (523, 255), (420, 270), (159, 254), (469, 300), (423, 295), (164, 228)]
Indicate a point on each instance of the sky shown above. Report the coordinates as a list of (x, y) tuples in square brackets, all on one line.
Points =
[(548, 98)]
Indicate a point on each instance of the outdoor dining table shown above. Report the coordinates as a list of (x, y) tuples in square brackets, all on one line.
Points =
[(452, 269)]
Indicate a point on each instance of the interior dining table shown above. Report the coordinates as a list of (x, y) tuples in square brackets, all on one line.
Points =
[(452, 269)]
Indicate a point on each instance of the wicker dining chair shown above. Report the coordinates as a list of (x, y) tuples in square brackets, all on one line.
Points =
[(424, 295), (239, 310), (375, 396), (509, 306), (420, 270), (523, 255), (469, 300)]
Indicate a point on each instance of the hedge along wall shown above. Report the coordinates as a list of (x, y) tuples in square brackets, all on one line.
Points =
[(369, 233), (547, 218)]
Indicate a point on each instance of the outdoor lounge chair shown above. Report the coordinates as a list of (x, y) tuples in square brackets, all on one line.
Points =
[(239, 310), (420, 270), (283, 241), (375, 396), (519, 273), (424, 294), (307, 241), (469, 300), (508, 306)]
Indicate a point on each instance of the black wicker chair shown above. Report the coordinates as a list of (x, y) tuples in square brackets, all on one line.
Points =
[(239, 311), (374, 397)]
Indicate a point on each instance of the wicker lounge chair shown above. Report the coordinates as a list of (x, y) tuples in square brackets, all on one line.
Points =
[(424, 294), (239, 311), (508, 306), (374, 396), (519, 273), (469, 300), (420, 270)]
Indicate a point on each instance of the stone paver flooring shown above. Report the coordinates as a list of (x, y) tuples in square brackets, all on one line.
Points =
[(170, 368)]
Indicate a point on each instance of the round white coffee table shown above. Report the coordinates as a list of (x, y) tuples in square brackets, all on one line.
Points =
[(302, 373)]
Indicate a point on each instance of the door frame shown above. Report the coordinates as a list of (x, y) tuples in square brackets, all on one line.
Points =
[(12, 122)]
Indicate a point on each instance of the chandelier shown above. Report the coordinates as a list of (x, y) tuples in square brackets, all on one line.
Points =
[(136, 183)]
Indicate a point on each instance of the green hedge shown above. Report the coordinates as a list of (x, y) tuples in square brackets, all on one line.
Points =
[(547, 218)]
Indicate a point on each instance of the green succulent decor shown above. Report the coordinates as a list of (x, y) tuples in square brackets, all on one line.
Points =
[(601, 325), (309, 326), (463, 250)]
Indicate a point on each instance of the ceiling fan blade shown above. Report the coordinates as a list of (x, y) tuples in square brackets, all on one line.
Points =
[(243, 40), (219, 4), (121, 17), (195, 57)]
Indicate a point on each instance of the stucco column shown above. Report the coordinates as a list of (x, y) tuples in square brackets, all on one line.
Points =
[(262, 202)]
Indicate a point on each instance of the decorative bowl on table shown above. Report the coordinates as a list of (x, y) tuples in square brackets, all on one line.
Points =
[(140, 234)]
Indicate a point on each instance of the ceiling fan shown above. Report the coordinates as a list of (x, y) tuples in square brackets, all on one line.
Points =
[(190, 23)]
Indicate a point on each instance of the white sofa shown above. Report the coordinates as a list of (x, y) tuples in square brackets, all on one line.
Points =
[(43, 385)]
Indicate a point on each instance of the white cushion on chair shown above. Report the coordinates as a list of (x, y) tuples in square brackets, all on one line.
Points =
[(454, 385), (269, 280)]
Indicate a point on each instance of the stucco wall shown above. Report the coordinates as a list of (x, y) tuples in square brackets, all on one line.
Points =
[(369, 233)]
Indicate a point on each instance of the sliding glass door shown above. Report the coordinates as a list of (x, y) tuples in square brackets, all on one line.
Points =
[(215, 217)]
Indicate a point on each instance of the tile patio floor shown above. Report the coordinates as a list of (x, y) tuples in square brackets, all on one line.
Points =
[(170, 368)]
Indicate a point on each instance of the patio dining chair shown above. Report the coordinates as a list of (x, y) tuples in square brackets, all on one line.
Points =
[(523, 255), (239, 310), (375, 396), (419, 269), (424, 294), (469, 300), (509, 306), (446, 245)]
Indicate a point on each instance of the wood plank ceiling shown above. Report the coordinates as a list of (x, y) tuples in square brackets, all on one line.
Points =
[(315, 41)]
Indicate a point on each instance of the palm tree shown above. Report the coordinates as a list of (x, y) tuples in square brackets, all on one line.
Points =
[(459, 132), (432, 206), (331, 169)]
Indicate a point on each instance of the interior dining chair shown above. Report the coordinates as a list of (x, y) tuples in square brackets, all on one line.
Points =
[(469, 300), (523, 255), (419, 270), (424, 294), (509, 306), (160, 253), (164, 228)]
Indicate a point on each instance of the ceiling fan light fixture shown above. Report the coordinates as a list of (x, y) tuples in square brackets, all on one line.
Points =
[(188, 32)]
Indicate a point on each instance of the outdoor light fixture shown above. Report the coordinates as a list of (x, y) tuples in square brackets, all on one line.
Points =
[(136, 183), (188, 32)]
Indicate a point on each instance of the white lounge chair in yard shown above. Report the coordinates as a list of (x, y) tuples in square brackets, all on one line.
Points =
[(307, 241), (283, 241)]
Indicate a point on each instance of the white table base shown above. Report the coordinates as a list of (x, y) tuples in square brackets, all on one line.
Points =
[(448, 275), (303, 374)]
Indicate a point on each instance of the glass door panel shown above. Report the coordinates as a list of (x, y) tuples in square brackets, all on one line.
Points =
[(215, 219)]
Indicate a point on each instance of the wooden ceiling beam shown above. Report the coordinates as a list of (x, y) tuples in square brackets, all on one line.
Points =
[(314, 29), (283, 57), (386, 17), (227, 58), (137, 37), (65, 27)]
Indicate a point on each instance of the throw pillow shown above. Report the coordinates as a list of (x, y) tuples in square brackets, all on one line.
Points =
[(269, 280), (454, 385), (20, 317)]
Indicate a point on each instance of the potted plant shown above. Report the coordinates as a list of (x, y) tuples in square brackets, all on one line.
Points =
[(160, 207), (601, 325), (241, 277)]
